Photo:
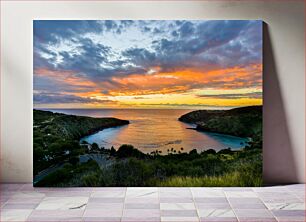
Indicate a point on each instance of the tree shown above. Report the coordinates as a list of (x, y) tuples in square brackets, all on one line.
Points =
[(129, 151), (112, 151), (94, 146), (194, 151), (210, 151), (74, 160)]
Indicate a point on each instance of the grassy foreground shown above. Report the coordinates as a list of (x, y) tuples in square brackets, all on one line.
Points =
[(130, 167), (236, 179)]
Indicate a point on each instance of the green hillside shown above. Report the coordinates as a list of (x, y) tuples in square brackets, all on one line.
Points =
[(56, 136), (242, 122)]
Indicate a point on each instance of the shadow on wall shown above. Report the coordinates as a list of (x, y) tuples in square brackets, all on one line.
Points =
[(278, 160)]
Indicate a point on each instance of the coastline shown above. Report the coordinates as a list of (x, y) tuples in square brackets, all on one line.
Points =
[(240, 122), (56, 136), (57, 143), (97, 124)]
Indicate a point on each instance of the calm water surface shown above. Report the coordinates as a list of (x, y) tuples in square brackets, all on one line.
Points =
[(157, 129)]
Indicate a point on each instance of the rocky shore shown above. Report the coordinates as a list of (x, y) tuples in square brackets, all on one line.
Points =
[(242, 122)]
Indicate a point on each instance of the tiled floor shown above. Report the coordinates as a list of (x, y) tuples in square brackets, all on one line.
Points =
[(22, 202)]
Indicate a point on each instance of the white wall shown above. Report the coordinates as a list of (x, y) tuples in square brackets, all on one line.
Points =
[(284, 75)]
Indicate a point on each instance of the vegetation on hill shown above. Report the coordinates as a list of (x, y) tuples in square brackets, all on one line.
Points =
[(56, 136), (242, 122), (71, 126)]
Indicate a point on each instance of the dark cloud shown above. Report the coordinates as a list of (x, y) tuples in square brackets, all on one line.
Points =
[(157, 31), (121, 26), (140, 56), (205, 36), (186, 105), (209, 44), (186, 29), (109, 24), (49, 98), (194, 44), (52, 31), (58, 83), (105, 92), (138, 97), (146, 29), (88, 61), (174, 34), (253, 95)]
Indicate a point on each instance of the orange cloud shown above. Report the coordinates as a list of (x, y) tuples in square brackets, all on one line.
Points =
[(67, 77), (184, 80), (179, 82)]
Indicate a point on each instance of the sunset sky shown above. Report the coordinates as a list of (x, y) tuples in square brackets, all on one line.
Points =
[(147, 64)]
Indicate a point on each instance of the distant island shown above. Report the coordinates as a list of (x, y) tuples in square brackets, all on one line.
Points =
[(60, 159)]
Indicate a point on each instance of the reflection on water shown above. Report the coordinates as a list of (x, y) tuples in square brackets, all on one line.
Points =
[(151, 130)]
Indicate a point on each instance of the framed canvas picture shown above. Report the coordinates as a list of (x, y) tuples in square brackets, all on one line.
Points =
[(147, 103)]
